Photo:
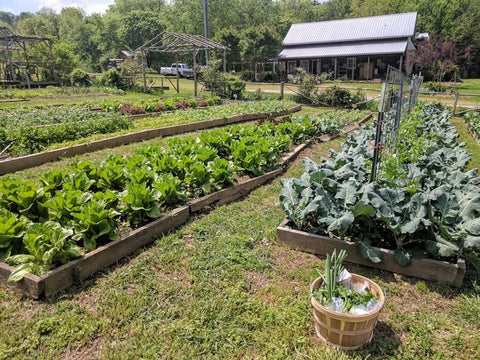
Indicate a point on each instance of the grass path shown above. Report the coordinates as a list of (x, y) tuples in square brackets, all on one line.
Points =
[(221, 287)]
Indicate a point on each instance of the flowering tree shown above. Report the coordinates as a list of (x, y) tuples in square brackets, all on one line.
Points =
[(436, 57)]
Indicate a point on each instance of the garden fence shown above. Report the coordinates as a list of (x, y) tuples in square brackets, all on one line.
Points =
[(399, 96)]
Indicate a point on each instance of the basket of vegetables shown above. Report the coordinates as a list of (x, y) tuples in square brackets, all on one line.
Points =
[(345, 306)]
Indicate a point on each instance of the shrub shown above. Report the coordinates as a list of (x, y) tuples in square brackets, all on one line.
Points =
[(80, 77), (112, 78), (435, 86), (336, 96), (235, 87)]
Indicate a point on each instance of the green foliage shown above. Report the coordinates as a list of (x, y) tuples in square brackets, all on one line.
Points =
[(472, 119), (112, 78), (421, 204), (235, 87), (35, 131), (88, 201), (338, 97), (47, 244), (12, 230), (80, 77)]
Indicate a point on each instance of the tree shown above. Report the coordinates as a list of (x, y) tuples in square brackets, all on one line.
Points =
[(435, 57), (230, 38), (260, 43)]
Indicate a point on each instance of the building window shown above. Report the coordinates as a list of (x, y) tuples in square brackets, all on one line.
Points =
[(291, 65), (351, 63), (304, 64)]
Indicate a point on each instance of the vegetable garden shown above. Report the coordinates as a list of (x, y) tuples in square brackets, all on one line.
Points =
[(223, 272), (422, 205), (70, 212)]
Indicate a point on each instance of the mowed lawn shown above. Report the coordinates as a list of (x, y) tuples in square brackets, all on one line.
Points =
[(222, 287)]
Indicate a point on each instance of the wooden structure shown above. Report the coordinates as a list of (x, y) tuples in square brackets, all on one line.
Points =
[(178, 43), (428, 269), (360, 48), (16, 66)]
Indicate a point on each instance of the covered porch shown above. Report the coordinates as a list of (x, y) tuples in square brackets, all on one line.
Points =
[(366, 67)]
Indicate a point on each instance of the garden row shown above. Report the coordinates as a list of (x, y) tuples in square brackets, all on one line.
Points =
[(53, 91), (472, 119), (153, 105), (71, 212), (421, 206), (36, 131)]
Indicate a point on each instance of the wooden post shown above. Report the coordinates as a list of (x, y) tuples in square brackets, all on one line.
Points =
[(335, 69), (282, 88), (224, 61), (353, 69), (401, 63), (194, 72), (455, 103), (368, 68), (144, 74), (178, 76)]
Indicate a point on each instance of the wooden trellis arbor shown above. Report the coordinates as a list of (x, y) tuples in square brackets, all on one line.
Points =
[(177, 43), (16, 66)]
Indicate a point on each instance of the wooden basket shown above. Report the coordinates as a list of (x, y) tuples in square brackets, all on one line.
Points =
[(345, 331)]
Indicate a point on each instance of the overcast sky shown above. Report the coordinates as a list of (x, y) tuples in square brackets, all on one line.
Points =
[(18, 6)]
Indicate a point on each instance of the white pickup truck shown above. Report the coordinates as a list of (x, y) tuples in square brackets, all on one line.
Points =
[(183, 70)]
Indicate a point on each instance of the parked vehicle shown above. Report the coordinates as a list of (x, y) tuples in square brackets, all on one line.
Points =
[(183, 70)]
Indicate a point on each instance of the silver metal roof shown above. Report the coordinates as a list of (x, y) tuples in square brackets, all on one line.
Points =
[(367, 28), (345, 49)]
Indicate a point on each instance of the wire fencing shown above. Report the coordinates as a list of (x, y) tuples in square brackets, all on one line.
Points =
[(399, 96)]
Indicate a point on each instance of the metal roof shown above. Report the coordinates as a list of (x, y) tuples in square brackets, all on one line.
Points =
[(345, 49), (367, 28)]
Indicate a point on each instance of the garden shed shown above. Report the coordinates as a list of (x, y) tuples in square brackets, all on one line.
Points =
[(360, 48)]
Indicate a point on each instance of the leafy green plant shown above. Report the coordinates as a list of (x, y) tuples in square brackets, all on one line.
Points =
[(472, 119), (422, 204), (96, 220), (12, 230), (47, 244), (140, 203), (332, 288)]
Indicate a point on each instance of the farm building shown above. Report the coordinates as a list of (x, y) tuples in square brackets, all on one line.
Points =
[(360, 48)]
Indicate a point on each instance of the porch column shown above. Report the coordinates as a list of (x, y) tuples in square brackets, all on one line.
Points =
[(401, 63), (368, 68), (335, 70)]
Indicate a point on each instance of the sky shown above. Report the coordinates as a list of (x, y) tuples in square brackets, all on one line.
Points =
[(18, 6)]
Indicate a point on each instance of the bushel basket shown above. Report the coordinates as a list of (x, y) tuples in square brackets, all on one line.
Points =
[(345, 331)]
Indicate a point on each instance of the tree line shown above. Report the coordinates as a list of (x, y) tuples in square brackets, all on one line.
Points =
[(252, 29)]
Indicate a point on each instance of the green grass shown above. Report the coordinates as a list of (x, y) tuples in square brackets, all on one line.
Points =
[(470, 86), (471, 146), (221, 287)]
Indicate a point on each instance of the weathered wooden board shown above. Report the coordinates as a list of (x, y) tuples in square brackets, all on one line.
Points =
[(428, 269), (232, 193), (11, 165), (31, 285)]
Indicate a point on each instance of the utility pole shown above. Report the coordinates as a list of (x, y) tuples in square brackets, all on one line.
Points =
[(205, 25)]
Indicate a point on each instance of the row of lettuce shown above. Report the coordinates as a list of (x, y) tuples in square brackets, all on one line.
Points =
[(35, 131), (422, 203), (72, 211), (473, 121)]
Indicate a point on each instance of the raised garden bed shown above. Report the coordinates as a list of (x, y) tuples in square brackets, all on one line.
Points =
[(24, 162), (80, 269), (428, 269)]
